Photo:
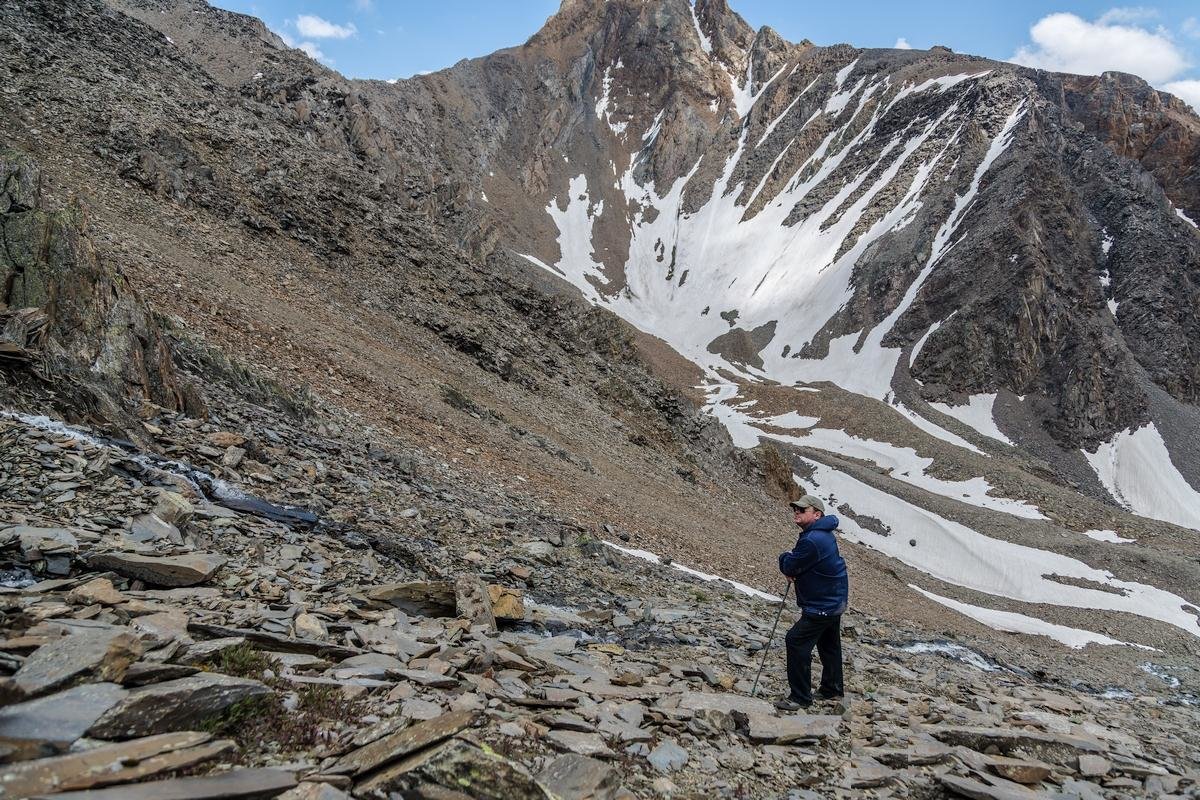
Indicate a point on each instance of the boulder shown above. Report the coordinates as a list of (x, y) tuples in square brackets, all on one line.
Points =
[(174, 705), (507, 603), (425, 598), (668, 756), (472, 601)]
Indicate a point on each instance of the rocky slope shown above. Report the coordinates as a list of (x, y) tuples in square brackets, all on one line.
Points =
[(211, 645), (312, 290)]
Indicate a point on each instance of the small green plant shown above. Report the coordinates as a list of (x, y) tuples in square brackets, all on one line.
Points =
[(258, 722), (243, 661)]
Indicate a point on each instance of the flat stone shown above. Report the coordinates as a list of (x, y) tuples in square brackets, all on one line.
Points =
[(142, 672), (209, 650), (97, 590), (110, 764), (1092, 766), (577, 777), (977, 790), (720, 701), (174, 705), (401, 743), (455, 769), (789, 729), (47, 726), (1020, 770), (585, 744), (668, 756), (105, 654), (1043, 746), (149, 528), (239, 783), (275, 641), (185, 570)]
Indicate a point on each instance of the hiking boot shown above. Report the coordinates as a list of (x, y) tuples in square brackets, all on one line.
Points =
[(790, 704), (825, 696)]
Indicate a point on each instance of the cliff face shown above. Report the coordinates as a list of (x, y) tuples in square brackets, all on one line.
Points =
[(80, 320), (701, 178)]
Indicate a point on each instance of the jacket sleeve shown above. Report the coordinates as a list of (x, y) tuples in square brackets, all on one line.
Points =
[(799, 559)]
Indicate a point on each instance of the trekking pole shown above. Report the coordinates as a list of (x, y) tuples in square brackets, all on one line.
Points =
[(767, 648)]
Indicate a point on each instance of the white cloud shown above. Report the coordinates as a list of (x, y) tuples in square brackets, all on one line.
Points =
[(314, 27), (310, 49), (1126, 15), (902, 44), (1187, 91), (1191, 28), (1066, 43)]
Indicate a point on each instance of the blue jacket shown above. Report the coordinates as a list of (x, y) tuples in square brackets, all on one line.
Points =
[(822, 586)]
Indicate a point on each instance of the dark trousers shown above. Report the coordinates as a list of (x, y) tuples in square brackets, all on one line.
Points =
[(826, 634)]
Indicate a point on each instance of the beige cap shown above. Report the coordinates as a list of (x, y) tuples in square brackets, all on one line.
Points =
[(808, 501)]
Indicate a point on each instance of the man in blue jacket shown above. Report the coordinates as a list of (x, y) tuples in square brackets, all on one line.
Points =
[(815, 567)]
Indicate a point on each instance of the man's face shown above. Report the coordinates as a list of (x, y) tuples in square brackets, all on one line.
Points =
[(805, 516)]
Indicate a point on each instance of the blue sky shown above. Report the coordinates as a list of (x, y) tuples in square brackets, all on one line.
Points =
[(380, 39)]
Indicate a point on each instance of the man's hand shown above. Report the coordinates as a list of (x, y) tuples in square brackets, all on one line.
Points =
[(790, 579)]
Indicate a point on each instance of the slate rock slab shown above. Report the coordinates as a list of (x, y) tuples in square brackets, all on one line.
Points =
[(240, 783), (458, 769), (185, 570), (109, 764), (48, 725), (103, 653), (402, 743), (715, 701), (578, 777), (789, 729), (174, 705)]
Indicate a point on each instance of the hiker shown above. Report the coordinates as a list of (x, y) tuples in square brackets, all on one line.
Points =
[(815, 567)]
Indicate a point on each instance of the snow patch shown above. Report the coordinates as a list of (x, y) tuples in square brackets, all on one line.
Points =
[(977, 414), (1136, 469), (1012, 622), (705, 42), (955, 554), (903, 463), (1185, 217), (1107, 536), (646, 555)]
